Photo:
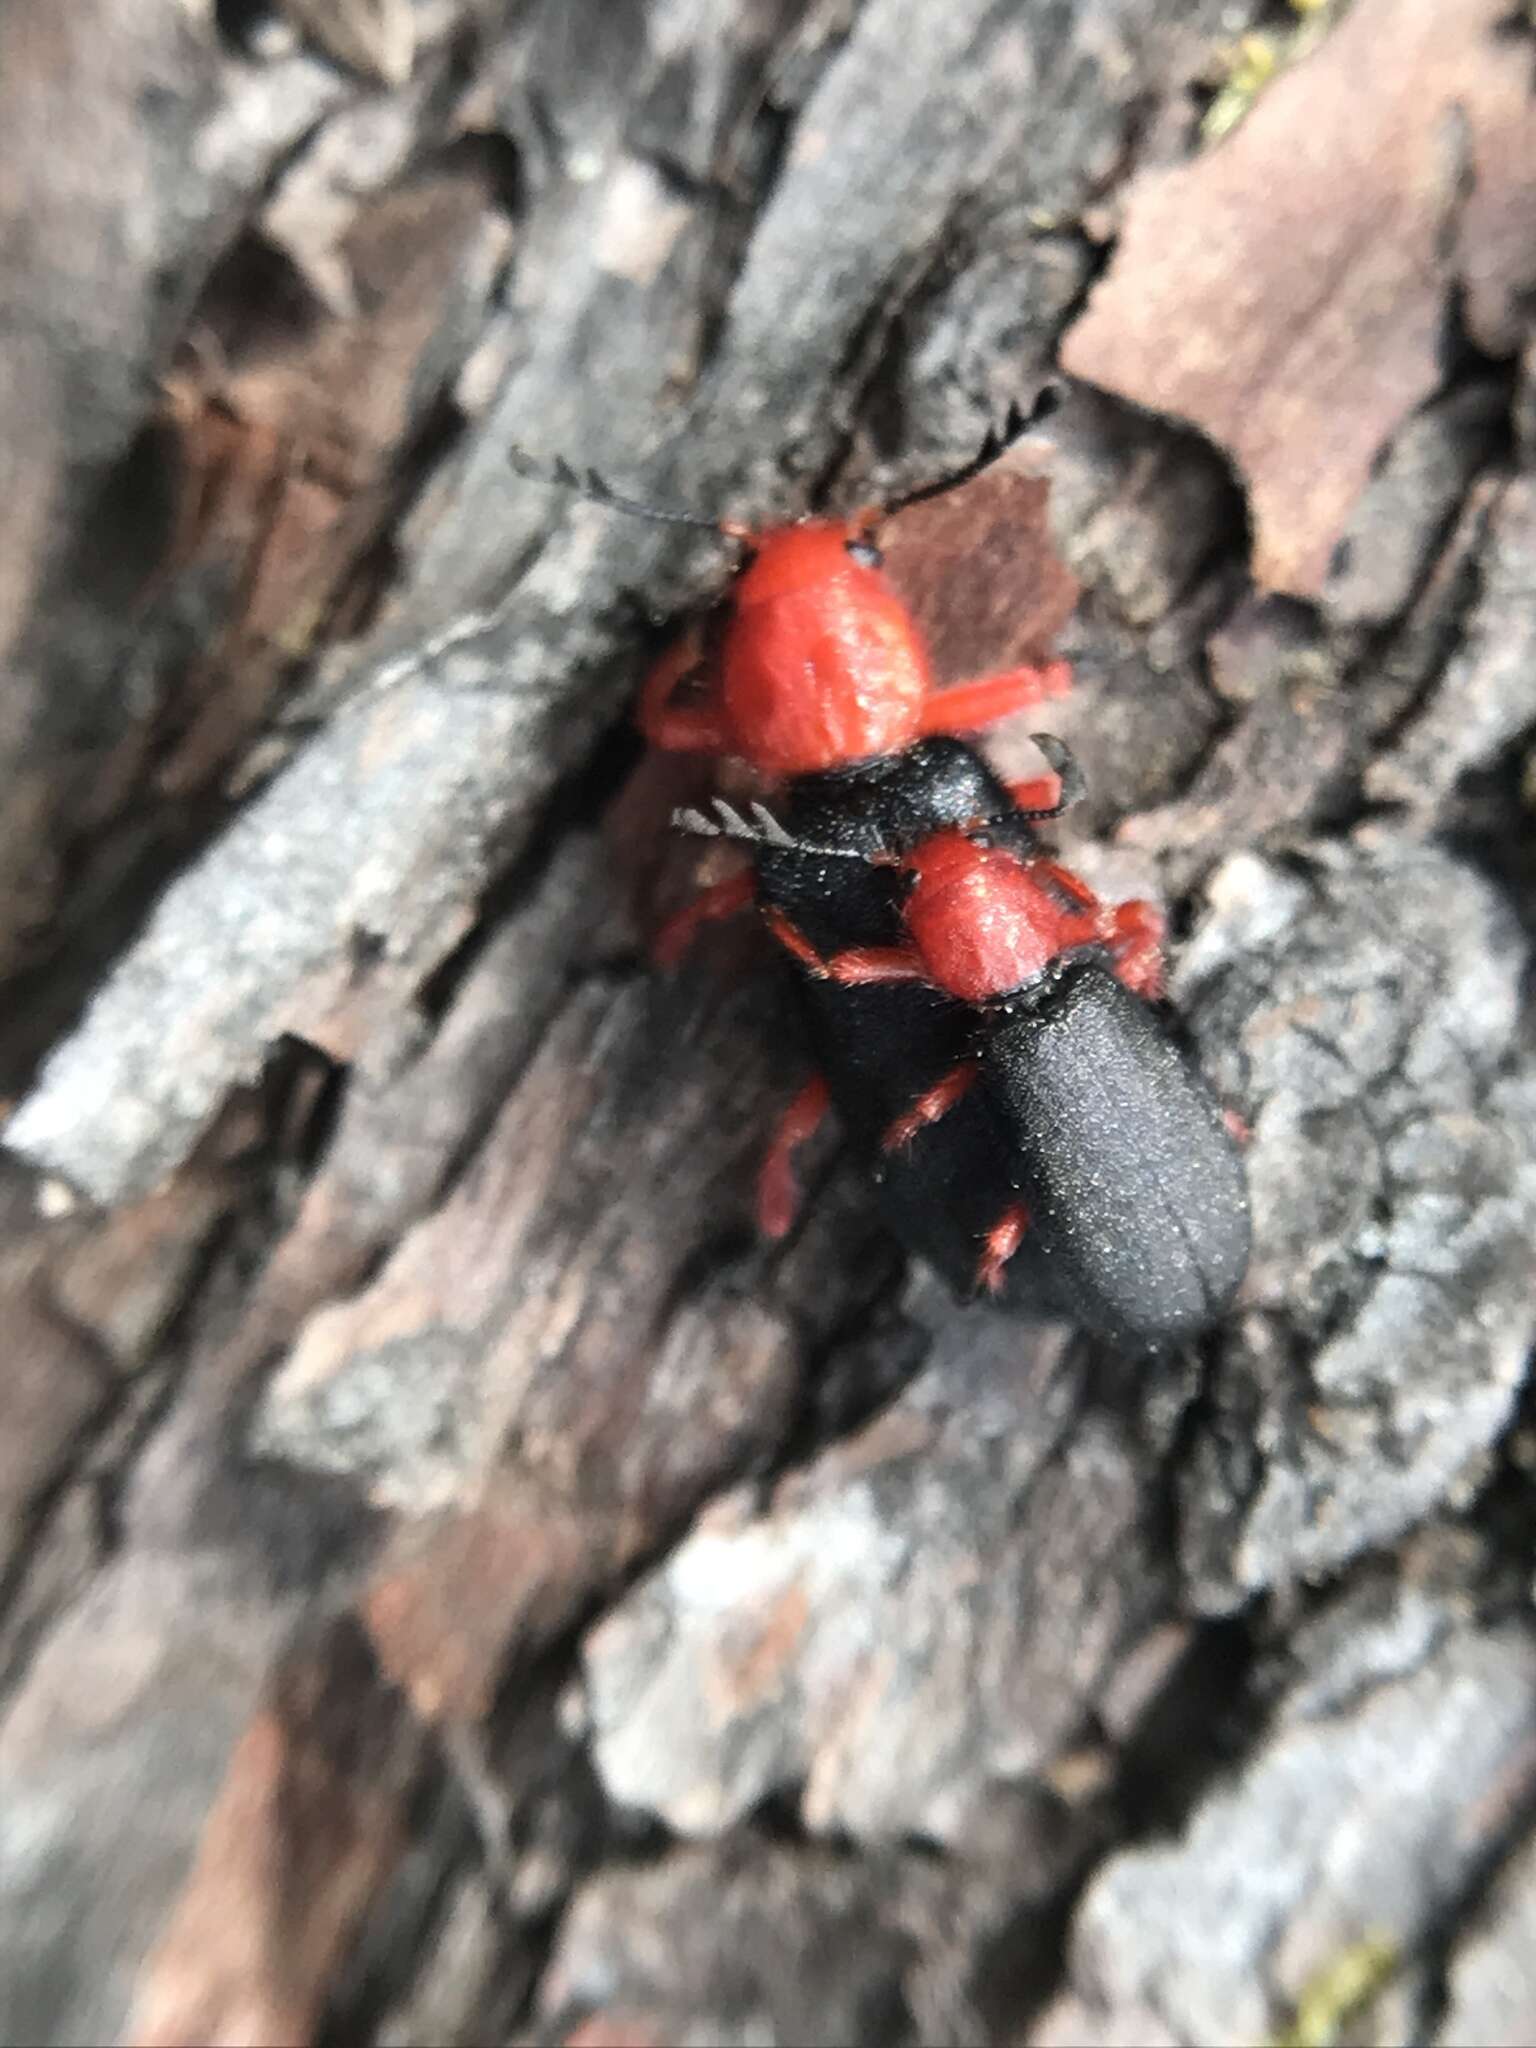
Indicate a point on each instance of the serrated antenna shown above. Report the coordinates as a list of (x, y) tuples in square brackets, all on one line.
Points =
[(763, 828), (997, 441)]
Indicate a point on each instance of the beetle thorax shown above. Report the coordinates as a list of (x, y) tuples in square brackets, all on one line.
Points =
[(983, 924)]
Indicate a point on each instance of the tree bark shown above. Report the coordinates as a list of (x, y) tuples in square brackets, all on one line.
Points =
[(456, 1583)]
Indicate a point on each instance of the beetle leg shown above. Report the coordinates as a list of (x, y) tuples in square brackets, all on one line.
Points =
[(985, 699), (1133, 932), (679, 728), (721, 899), (865, 966), (856, 968), (1073, 887), (937, 1101), (1039, 796), (778, 1195), (793, 940), (1002, 1241), (1047, 796)]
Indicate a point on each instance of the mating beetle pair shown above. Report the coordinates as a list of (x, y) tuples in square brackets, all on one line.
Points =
[(985, 1025)]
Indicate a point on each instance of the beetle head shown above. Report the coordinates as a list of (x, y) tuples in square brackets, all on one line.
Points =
[(822, 664)]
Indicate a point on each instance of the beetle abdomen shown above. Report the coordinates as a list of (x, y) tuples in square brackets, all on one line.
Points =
[(1139, 1226)]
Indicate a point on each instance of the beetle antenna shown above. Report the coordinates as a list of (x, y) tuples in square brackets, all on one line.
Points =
[(1064, 767), (590, 485), (998, 441), (761, 829)]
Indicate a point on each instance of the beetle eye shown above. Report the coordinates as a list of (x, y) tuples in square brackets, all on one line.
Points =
[(864, 552)]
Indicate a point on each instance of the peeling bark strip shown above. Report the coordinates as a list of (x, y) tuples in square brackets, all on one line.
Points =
[(455, 1583), (1288, 292)]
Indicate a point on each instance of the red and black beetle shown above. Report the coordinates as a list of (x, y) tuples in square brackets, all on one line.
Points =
[(1117, 1192)]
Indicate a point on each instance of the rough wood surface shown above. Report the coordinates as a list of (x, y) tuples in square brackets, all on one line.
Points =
[(456, 1584)]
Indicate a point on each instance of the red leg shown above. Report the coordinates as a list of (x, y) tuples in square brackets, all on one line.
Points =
[(1073, 887), (984, 700), (1134, 932), (1003, 1240), (680, 728), (865, 966), (795, 941), (1047, 796), (1040, 796), (929, 1107), (1239, 1126), (723, 899), (1040, 793), (856, 968), (778, 1196)]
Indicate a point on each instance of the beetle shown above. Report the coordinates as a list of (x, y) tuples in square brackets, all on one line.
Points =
[(1122, 1202)]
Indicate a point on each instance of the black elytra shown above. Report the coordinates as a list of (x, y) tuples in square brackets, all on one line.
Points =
[(1139, 1218)]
